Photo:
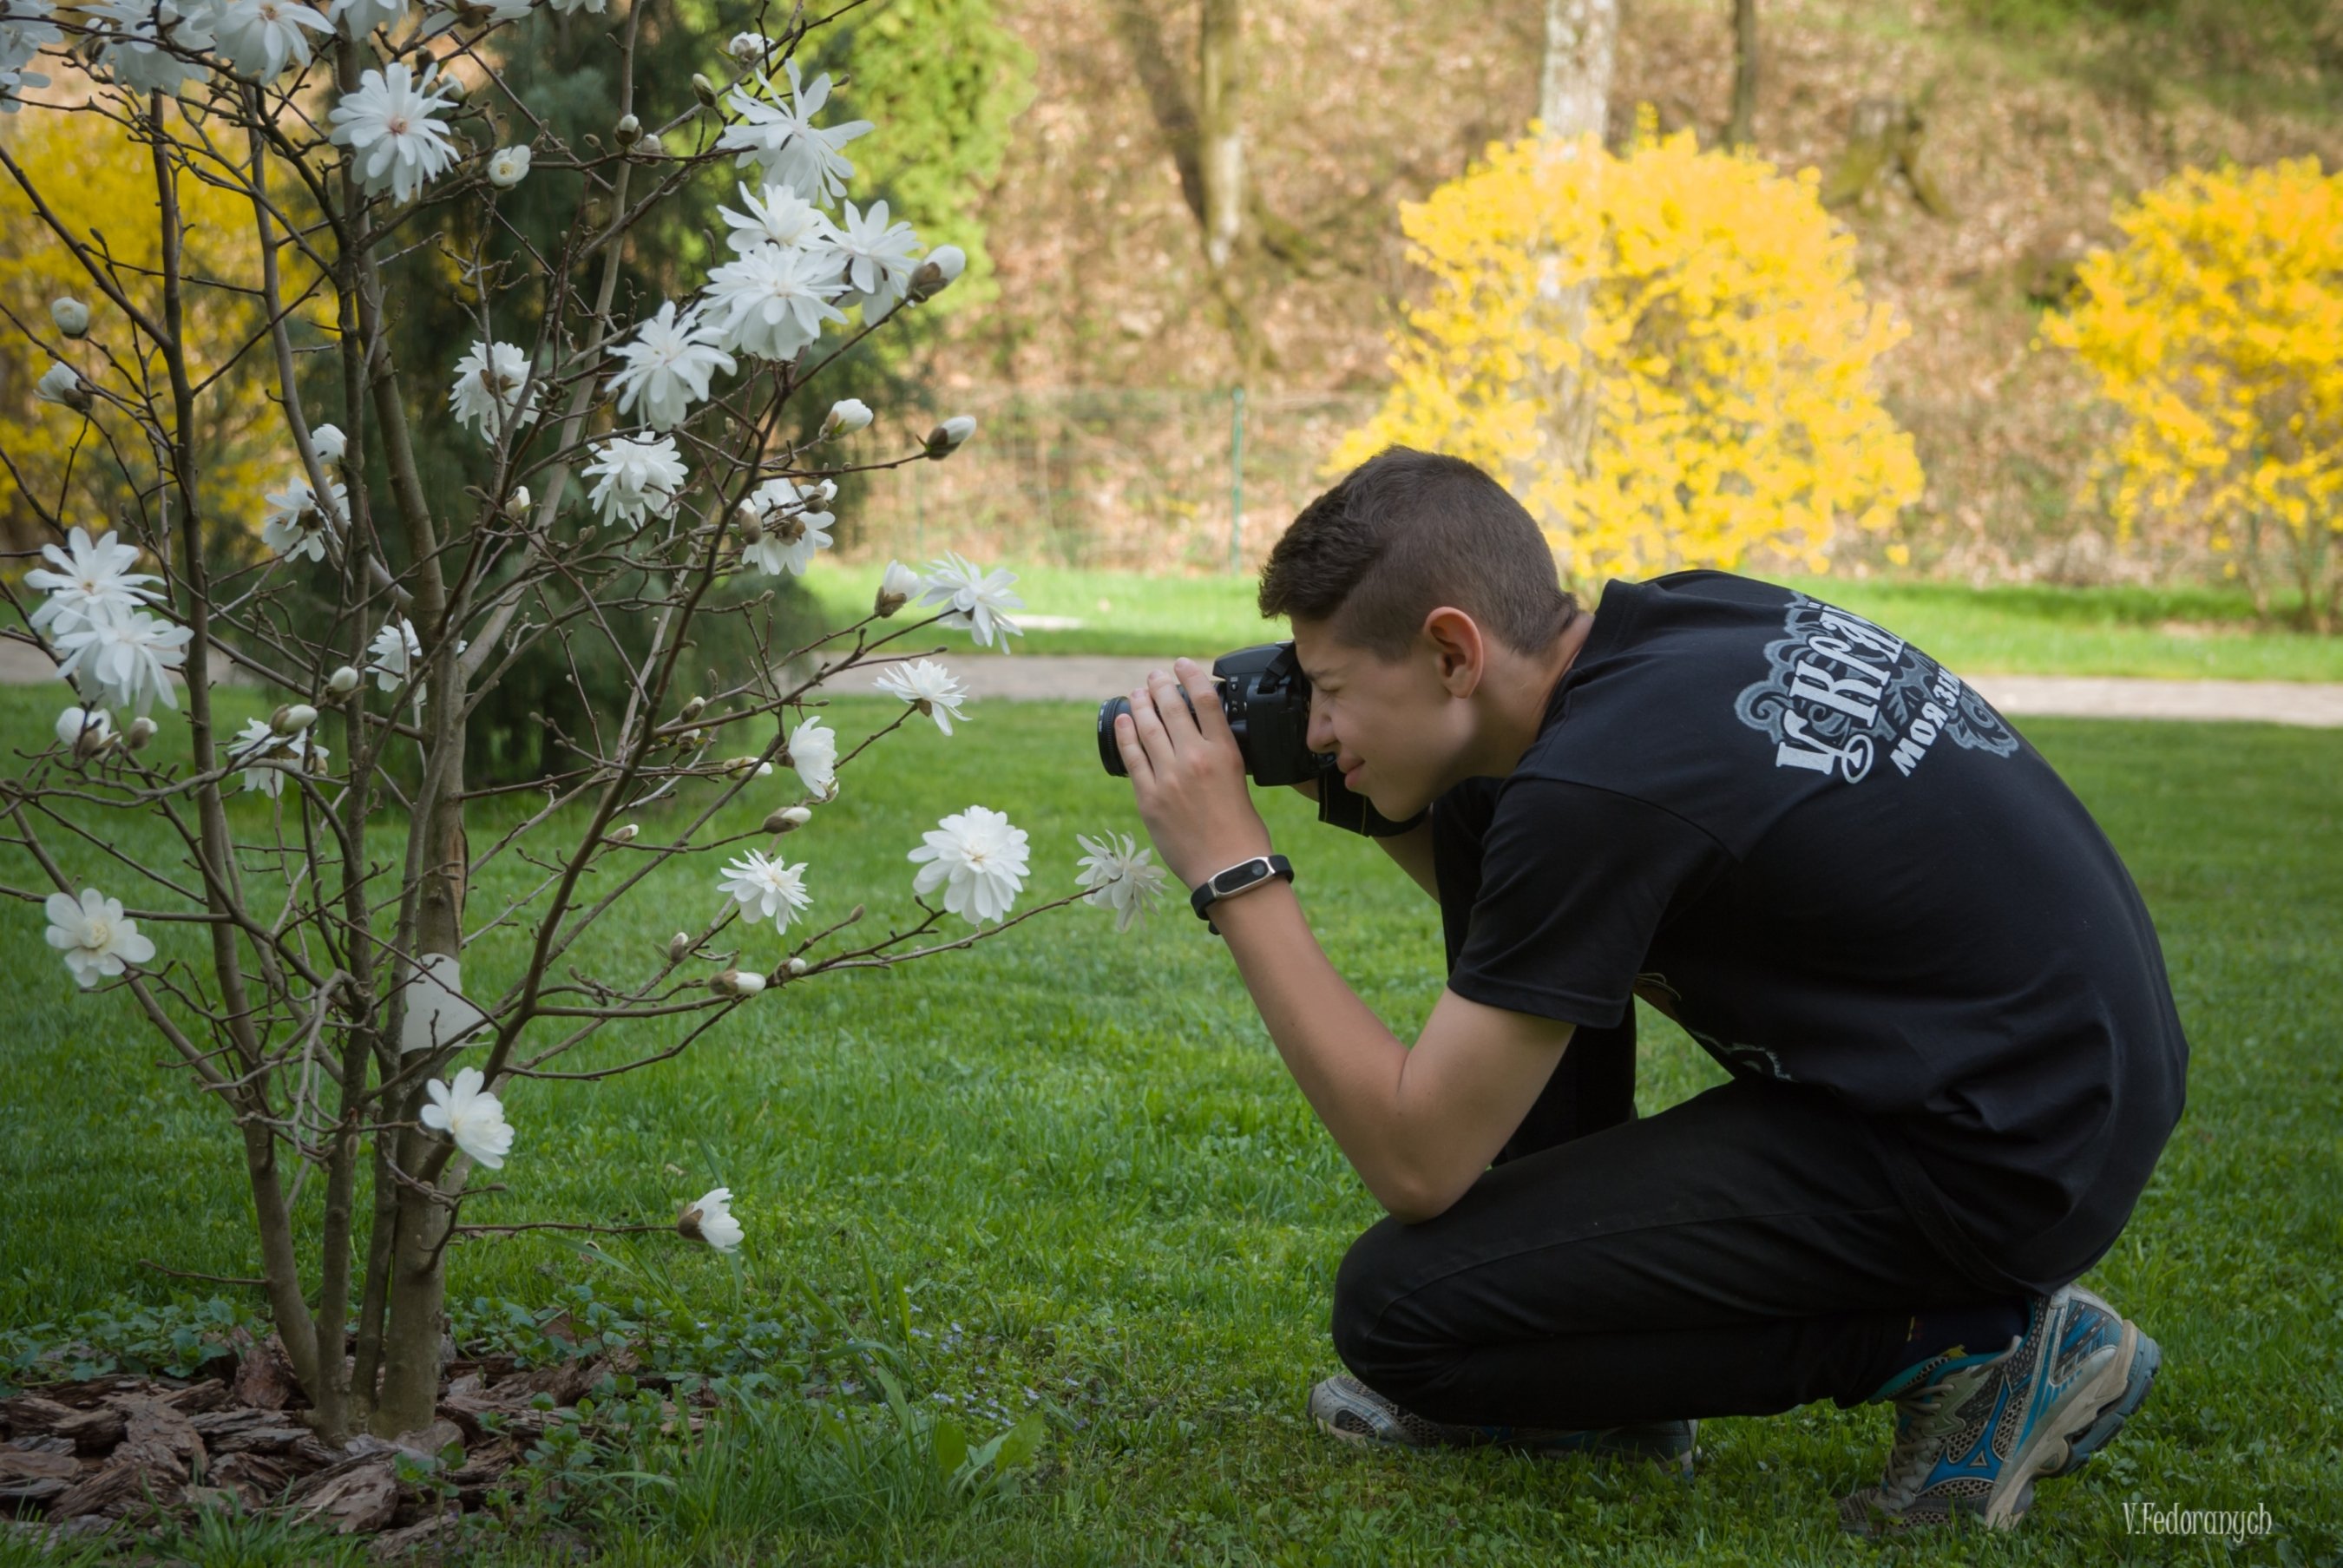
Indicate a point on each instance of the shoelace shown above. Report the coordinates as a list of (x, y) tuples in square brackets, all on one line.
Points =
[(1923, 1420)]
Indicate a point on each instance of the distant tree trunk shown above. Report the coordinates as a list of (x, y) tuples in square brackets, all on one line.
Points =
[(1220, 86), (1573, 101), (1205, 136), (1574, 88), (1741, 129)]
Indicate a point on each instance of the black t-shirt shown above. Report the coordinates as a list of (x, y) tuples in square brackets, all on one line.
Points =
[(1837, 865)]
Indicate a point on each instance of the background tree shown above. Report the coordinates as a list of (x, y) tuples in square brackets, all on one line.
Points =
[(1726, 331), (2217, 331)]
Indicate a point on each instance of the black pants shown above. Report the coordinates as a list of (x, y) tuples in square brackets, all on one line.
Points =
[(1740, 1254)]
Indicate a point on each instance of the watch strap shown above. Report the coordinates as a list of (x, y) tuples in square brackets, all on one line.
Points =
[(1230, 881)]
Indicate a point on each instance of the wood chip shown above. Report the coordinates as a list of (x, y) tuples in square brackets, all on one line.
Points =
[(259, 1479), (16, 1463), (360, 1499), (264, 1378), (95, 1430), (159, 1437)]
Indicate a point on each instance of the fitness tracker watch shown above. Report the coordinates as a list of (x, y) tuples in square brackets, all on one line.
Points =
[(1245, 874)]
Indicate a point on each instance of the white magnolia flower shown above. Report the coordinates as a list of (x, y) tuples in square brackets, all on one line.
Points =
[(781, 138), (896, 588), (356, 18), (129, 657), (975, 599), (293, 524), (329, 442), (791, 534), (487, 392), (710, 1220), (140, 37), (928, 687), (774, 889), (846, 415), (92, 580), (669, 361), (1119, 877), (776, 214), (749, 48), (81, 730), (13, 80), (398, 654), (941, 269), (387, 124), (571, 7), (256, 741), (814, 752), (772, 301), (977, 859), (635, 478), (470, 1115), (62, 384), (878, 258), (260, 37), (95, 936), (508, 167)]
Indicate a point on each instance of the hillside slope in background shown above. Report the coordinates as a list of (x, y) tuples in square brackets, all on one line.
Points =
[(2034, 134)]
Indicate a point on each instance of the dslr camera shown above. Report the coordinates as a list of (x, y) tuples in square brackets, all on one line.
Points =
[(1266, 698)]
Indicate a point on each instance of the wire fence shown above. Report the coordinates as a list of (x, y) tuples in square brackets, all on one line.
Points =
[(1148, 479)]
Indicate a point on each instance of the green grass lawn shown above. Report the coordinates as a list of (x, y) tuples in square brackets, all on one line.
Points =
[(1065, 1170), (2023, 630)]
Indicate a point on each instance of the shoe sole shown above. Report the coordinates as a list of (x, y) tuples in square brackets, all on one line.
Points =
[(2145, 1362), (2052, 1452)]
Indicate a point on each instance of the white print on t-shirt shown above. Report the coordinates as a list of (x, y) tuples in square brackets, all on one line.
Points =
[(1735, 1055), (1840, 691)]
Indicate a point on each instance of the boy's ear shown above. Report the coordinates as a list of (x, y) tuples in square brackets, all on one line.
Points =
[(1460, 652)]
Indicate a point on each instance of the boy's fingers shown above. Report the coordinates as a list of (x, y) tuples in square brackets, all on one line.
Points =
[(1135, 755)]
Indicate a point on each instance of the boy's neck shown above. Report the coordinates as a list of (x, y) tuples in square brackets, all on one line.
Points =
[(1522, 689)]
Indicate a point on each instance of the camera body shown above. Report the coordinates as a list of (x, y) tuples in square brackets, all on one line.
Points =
[(1266, 698)]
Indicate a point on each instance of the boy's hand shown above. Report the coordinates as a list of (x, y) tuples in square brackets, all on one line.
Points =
[(1189, 775)]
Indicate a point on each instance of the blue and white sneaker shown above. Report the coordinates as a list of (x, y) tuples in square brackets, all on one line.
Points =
[(1974, 1433), (1346, 1408)]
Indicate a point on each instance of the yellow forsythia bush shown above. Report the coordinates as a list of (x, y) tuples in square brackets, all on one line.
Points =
[(97, 177), (2217, 331), (1725, 341)]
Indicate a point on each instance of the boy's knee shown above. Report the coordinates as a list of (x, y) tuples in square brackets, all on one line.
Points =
[(1365, 1291)]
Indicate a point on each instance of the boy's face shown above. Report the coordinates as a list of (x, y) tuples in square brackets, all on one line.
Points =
[(1396, 729)]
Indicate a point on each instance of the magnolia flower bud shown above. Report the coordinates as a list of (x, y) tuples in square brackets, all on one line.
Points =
[(142, 731), (737, 983), (943, 266), (693, 708), (846, 415), (797, 967), (752, 524), (624, 834), (62, 384), (292, 719), (854, 914), (741, 767), (71, 315), (895, 589), (508, 167), (678, 946), (341, 682), (329, 442), (517, 504), (628, 130), (946, 438), (792, 527), (787, 820), (703, 89), (650, 146), (749, 48), (88, 731)]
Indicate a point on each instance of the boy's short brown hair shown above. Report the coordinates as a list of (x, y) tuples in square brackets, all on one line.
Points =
[(1405, 532)]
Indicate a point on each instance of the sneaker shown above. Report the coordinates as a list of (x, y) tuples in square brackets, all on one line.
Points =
[(1350, 1410), (1974, 1433)]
